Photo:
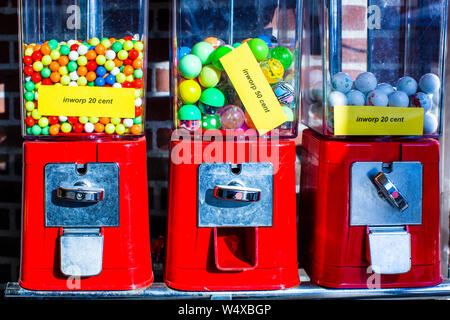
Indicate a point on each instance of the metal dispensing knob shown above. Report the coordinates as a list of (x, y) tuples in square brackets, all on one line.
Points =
[(390, 191)]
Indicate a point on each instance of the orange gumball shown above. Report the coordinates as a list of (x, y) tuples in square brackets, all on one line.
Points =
[(37, 47), (54, 129), (45, 49), (135, 129), (99, 127), (100, 49), (118, 62), (55, 77), (54, 66), (137, 64), (91, 76), (128, 70), (63, 60), (104, 120), (91, 55), (82, 71)]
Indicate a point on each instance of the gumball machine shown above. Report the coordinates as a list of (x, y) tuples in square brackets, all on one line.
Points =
[(232, 199), (373, 100), (85, 204)]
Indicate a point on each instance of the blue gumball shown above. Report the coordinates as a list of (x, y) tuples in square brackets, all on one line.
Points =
[(430, 123), (356, 98), (342, 82), (110, 79), (101, 71), (398, 99), (429, 83), (267, 39), (407, 85), (422, 100), (99, 82), (377, 98), (337, 98), (366, 82), (386, 88), (183, 51)]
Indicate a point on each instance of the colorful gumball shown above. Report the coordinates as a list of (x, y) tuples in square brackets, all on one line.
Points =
[(284, 92), (210, 122), (422, 100), (342, 82), (232, 117), (107, 63), (189, 117), (273, 70)]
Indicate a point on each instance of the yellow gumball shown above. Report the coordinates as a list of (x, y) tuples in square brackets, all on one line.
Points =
[(273, 70), (189, 91)]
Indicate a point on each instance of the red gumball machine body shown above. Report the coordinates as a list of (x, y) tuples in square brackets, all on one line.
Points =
[(223, 236), (85, 216), (350, 236)]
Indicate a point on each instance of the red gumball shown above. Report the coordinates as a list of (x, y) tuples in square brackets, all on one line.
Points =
[(128, 62), (36, 56), (138, 83), (27, 60), (53, 120), (91, 65), (128, 38), (74, 47), (47, 82), (28, 71), (78, 127), (36, 77), (29, 121), (127, 84), (137, 111), (133, 54), (72, 120)]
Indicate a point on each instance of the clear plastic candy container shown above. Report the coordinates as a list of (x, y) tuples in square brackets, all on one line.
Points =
[(205, 98), (374, 68), (83, 68)]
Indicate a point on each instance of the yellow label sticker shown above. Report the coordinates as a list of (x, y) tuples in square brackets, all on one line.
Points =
[(253, 89), (86, 101), (377, 121)]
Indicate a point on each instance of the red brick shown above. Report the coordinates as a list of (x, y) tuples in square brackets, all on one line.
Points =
[(354, 50), (162, 80), (354, 18)]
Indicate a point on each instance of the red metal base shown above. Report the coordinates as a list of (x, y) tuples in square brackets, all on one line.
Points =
[(126, 251), (333, 253), (192, 263)]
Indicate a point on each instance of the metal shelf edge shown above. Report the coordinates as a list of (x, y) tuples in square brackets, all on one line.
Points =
[(306, 290)]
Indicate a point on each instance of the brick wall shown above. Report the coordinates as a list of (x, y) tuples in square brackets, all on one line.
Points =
[(158, 123)]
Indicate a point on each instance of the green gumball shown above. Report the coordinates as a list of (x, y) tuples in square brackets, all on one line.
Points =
[(211, 122), (209, 77), (190, 66), (217, 54), (203, 50), (259, 48), (283, 55)]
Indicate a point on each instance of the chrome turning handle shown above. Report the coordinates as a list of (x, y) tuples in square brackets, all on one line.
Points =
[(390, 191), (81, 194), (237, 193)]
